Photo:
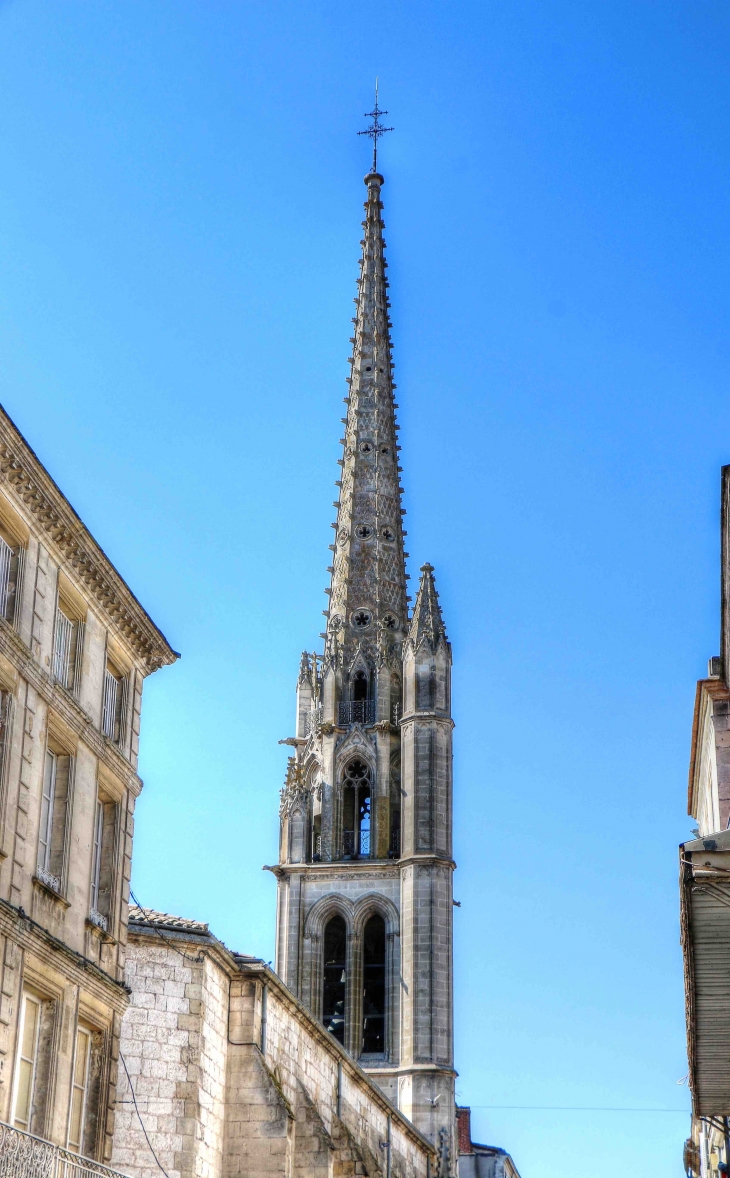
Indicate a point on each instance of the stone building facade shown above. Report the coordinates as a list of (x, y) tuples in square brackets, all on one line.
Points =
[(364, 909), (75, 648), (226, 1075), (704, 865)]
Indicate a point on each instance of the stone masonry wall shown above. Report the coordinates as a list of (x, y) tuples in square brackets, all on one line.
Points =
[(215, 1105)]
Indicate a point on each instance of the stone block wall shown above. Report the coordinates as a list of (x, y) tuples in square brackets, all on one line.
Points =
[(233, 1078)]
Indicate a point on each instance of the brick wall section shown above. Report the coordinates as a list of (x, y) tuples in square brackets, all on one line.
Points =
[(213, 1104)]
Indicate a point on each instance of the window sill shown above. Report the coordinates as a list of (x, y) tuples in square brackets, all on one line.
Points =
[(48, 891), (104, 936)]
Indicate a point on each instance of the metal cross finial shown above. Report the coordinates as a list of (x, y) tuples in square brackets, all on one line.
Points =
[(376, 130)]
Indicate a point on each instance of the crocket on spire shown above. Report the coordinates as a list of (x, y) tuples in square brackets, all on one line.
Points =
[(368, 588)]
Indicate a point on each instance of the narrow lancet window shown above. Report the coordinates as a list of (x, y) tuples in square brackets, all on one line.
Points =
[(356, 811), (335, 977), (373, 990)]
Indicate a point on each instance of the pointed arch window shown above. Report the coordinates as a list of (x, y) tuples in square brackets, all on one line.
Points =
[(334, 977), (356, 811), (373, 987)]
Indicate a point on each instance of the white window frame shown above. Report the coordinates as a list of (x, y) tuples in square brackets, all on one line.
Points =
[(33, 1060), (62, 643), (6, 557), (48, 798), (112, 688), (98, 847), (77, 1147)]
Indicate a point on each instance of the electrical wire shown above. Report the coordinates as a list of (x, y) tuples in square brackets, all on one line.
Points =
[(139, 1116), (580, 1108)]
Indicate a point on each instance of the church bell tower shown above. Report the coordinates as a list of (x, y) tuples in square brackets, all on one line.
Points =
[(364, 911)]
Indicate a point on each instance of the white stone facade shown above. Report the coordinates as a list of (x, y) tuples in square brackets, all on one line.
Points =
[(75, 647)]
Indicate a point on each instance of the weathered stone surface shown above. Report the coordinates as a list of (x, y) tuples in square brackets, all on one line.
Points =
[(232, 1077)]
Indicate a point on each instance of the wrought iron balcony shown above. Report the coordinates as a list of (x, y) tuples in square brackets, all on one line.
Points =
[(25, 1156), (97, 918), (356, 844), (357, 711), (51, 881)]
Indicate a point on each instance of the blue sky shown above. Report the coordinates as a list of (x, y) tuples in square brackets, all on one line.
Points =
[(181, 199)]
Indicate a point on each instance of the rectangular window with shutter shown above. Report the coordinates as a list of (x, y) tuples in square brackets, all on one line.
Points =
[(79, 1090), (55, 820), (12, 563), (68, 647), (26, 1063), (114, 704), (103, 863)]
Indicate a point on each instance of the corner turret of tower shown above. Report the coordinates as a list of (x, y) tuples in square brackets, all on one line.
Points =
[(427, 623)]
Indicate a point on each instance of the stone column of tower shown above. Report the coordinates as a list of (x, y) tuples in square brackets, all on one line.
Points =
[(364, 915)]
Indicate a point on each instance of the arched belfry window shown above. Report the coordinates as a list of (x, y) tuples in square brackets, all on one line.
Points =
[(373, 987), (359, 685), (356, 814), (334, 977)]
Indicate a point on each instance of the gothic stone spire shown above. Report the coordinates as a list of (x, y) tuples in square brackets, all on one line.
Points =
[(368, 590), (427, 624)]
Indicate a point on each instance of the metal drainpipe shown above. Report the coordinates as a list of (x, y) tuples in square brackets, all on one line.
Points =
[(387, 1149), (264, 995)]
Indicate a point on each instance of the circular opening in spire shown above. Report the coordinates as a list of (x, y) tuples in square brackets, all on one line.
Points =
[(390, 622), (363, 531), (387, 533), (361, 619), (366, 447)]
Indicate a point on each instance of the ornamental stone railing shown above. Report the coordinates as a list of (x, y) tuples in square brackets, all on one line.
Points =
[(25, 1156)]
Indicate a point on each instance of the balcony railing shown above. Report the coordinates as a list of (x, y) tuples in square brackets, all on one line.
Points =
[(24, 1156), (357, 711), (51, 881), (356, 843)]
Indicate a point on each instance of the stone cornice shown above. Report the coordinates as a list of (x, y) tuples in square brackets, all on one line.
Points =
[(43, 500), (707, 689), (71, 712), (378, 868)]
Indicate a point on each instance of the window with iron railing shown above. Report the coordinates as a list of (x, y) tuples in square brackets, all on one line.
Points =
[(68, 647), (357, 711), (114, 705), (53, 834), (102, 864)]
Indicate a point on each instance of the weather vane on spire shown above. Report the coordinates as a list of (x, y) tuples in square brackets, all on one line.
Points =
[(376, 130)]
